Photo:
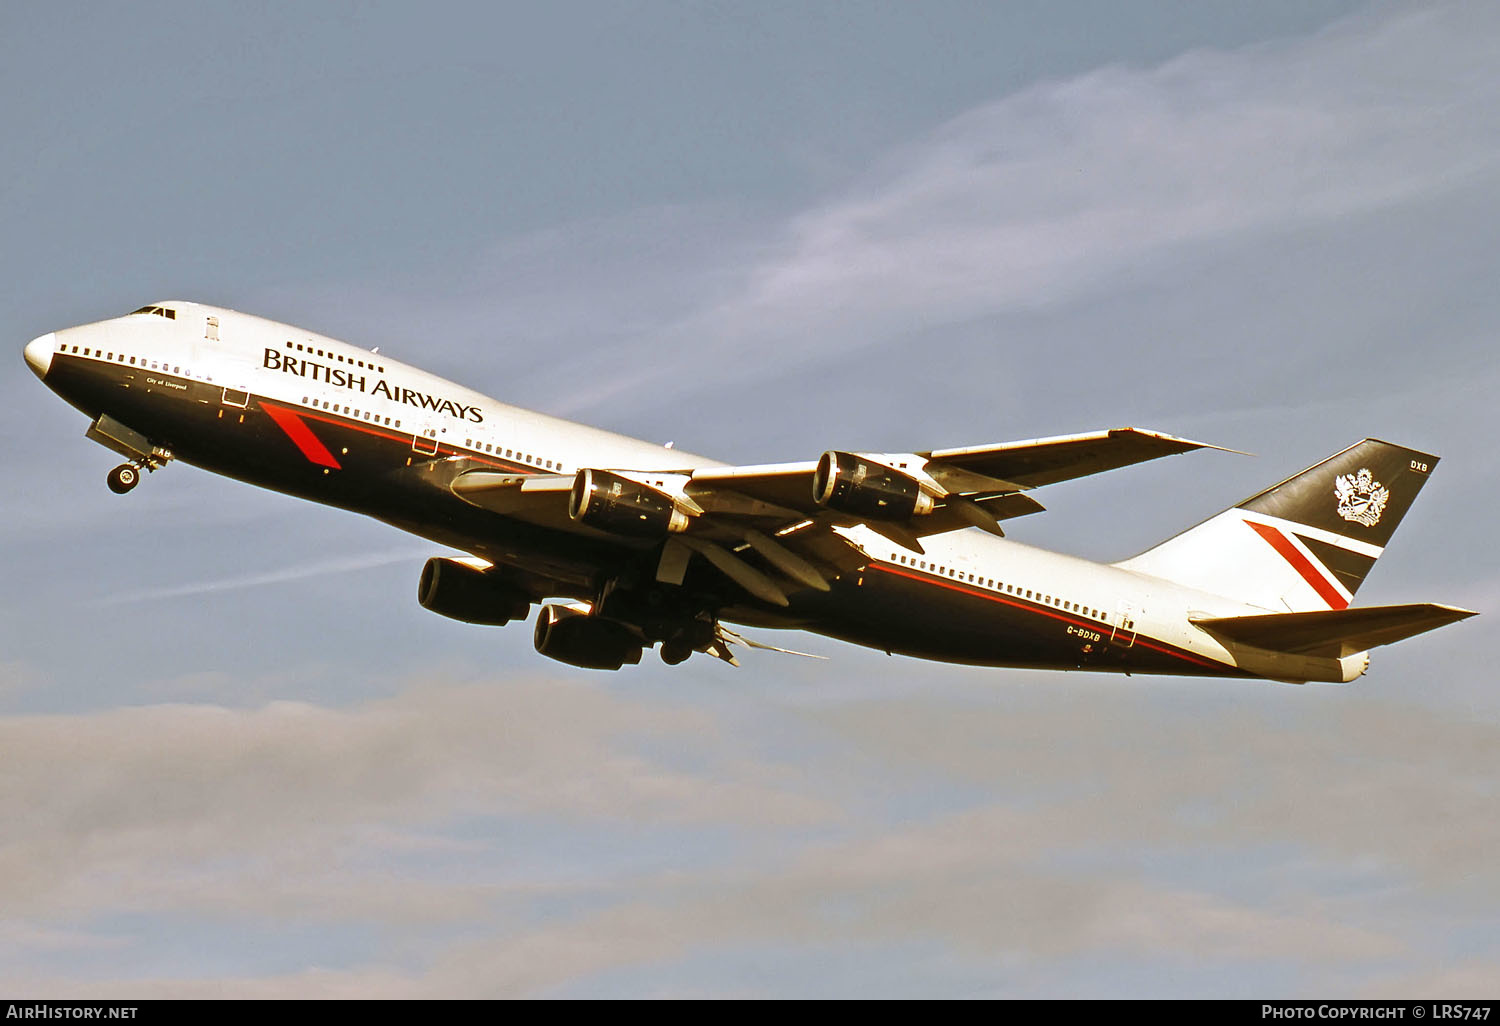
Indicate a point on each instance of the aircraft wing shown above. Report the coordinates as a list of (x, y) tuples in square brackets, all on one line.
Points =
[(768, 515), (999, 467), (1044, 461)]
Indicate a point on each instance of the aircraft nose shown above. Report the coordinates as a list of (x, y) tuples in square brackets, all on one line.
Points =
[(39, 353)]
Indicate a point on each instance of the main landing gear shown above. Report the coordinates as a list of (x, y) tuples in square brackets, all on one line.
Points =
[(123, 478), (674, 652)]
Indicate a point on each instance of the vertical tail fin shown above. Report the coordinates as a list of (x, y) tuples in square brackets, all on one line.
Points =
[(1306, 543)]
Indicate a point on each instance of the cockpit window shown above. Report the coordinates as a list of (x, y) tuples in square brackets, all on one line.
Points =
[(160, 311)]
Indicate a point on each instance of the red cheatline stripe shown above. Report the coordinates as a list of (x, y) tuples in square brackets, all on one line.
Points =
[(1289, 552), (1140, 639), (301, 435), (347, 423)]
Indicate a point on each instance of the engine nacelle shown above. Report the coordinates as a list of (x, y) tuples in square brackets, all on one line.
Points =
[(462, 592), (621, 506), (581, 640), (846, 483)]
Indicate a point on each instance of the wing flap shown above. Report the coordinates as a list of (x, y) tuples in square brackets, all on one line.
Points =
[(1004, 507), (784, 485), (540, 499), (1333, 632)]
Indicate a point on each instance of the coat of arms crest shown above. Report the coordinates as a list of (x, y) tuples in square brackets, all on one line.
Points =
[(1361, 498)]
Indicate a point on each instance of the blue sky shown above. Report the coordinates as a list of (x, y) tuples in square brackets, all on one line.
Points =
[(239, 759)]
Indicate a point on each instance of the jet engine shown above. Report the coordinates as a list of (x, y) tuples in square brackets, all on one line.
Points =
[(579, 639), (846, 483), (621, 506), (462, 592)]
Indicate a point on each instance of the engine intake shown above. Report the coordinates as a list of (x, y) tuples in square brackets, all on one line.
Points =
[(462, 592), (579, 639), (851, 484), (621, 506)]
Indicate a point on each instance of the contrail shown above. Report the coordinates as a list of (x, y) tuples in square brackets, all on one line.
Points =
[(302, 571)]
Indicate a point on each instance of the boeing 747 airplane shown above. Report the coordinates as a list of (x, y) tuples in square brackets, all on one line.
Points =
[(640, 545)]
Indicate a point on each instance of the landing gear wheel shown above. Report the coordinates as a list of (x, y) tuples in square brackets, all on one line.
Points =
[(123, 478), (674, 652)]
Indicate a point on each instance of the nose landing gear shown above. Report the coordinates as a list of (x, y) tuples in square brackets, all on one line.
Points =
[(142, 453)]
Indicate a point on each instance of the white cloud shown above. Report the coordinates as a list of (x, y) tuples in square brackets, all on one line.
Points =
[(1064, 186), (137, 808), (1061, 190), (1098, 828)]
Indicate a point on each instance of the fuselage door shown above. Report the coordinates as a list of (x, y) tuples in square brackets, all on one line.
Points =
[(424, 442), (1123, 633)]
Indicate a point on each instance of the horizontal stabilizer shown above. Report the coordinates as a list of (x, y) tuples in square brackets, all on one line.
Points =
[(1332, 632)]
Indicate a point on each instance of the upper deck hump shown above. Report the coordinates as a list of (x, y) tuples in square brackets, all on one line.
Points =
[(607, 449)]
